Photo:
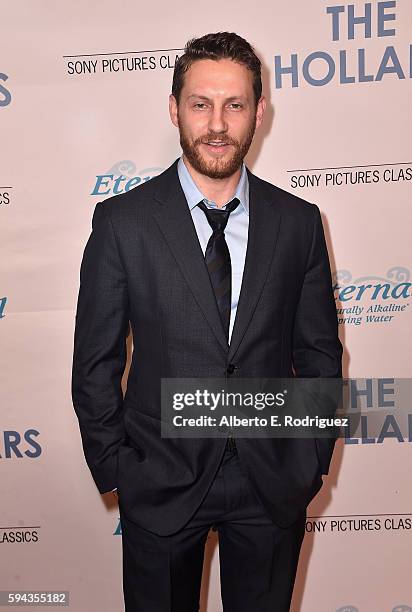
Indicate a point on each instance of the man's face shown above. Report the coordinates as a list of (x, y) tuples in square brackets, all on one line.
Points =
[(216, 116)]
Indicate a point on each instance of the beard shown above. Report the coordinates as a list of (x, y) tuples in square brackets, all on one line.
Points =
[(220, 167)]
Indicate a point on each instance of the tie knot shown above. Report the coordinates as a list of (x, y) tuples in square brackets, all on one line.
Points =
[(217, 217)]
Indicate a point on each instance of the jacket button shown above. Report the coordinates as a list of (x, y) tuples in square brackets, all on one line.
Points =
[(230, 368)]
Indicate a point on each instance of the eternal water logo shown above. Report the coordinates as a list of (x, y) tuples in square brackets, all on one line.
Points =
[(372, 299), (122, 177)]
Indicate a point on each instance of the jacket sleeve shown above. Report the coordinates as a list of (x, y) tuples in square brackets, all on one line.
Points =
[(100, 353), (317, 350)]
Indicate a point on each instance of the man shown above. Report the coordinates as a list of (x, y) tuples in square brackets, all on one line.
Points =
[(220, 274)]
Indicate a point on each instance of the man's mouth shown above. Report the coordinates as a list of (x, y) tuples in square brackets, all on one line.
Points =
[(216, 145)]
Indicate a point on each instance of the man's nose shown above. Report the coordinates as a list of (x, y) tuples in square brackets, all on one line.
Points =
[(217, 122)]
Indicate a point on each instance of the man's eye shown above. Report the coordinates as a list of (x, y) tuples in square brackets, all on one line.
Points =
[(199, 104), (237, 104)]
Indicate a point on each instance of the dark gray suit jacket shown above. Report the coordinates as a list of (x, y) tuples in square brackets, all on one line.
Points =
[(143, 263)]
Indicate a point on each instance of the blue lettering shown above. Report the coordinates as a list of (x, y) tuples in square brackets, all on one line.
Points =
[(382, 18), (363, 78), (101, 181), (365, 19), (404, 291), (355, 393), (132, 182), (37, 448), (331, 68), (390, 55), (390, 421), (5, 92), (343, 76), (293, 70), (335, 11), (2, 306), (11, 441), (119, 179), (382, 391)]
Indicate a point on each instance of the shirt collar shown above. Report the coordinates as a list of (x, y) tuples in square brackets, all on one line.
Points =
[(194, 195)]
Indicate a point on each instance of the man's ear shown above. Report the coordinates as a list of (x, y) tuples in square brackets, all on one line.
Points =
[(173, 110), (260, 111)]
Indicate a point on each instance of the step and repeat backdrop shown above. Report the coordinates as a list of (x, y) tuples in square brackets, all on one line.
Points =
[(84, 115)]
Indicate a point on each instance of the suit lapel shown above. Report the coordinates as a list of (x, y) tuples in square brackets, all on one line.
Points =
[(175, 221), (264, 223)]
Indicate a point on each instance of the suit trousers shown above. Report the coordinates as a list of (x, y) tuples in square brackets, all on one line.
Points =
[(258, 559)]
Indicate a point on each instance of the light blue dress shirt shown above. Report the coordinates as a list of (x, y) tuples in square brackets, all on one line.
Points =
[(236, 232)]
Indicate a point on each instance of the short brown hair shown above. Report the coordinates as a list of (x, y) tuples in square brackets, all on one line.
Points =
[(220, 45)]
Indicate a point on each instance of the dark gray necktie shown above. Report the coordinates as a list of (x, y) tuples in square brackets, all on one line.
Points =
[(217, 259)]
